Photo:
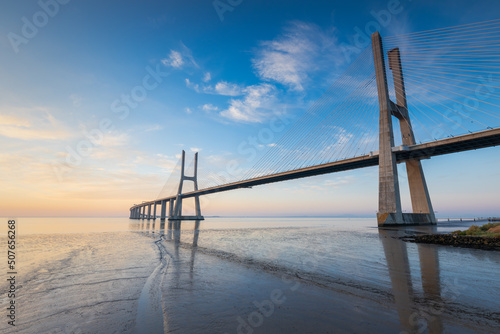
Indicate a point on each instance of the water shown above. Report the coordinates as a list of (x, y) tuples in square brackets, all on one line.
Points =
[(248, 275)]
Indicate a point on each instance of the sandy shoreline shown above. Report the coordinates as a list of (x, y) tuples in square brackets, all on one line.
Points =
[(80, 283)]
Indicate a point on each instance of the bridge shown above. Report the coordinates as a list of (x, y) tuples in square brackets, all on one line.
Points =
[(459, 84)]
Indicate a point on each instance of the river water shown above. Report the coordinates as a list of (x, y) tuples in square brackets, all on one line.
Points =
[(247, 275)]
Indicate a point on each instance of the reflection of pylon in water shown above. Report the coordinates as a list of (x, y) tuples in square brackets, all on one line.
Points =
[(177, 210)]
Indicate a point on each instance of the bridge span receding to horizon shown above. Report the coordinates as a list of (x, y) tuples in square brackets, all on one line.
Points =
[(469, 68)]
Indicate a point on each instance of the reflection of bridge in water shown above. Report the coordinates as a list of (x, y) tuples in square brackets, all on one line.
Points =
[(450, 83)]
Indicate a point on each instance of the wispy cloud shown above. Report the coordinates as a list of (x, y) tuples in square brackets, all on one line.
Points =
[(221, 88), (33, 124), (326, 186), (13, 120), (180, 58), (116, 139), (207, 77), (301, 50), (301, 54), (192, 85), (340, 181), (113, 146), (173, 60), (209, 107), (254, 107), (228, 89), (155, 127)]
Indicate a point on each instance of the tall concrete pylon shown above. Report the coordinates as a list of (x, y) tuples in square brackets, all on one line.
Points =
[(389, 210), (176, 212)]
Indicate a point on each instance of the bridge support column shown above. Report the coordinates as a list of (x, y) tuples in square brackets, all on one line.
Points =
[(154, 211), (143, 214), (177, 210), (149, 211), (163, 209), (171, 208), (389, 212), (420, 199), (389, 201)]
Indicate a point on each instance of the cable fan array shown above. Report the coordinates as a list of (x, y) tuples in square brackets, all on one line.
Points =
[(341, 124), (205, 180), (172, 184), (452, 79), (452, 85)]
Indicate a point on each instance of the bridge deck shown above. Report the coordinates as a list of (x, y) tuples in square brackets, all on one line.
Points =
[(472, 141)]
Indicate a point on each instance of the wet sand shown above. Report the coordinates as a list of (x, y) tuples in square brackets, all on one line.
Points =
[(211, 292), (207, 294), (80, 283)]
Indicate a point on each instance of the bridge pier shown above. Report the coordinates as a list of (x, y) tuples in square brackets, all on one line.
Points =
[(163, 209), (390, 212), (171, 208), (176, 211)]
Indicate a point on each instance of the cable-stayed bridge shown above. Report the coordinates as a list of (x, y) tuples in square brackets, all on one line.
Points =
[(442, 87)]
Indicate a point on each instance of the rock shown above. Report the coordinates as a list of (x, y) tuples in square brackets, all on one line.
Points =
[(486, 243)]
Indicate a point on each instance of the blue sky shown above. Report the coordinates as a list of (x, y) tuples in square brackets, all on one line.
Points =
[(129, 84)]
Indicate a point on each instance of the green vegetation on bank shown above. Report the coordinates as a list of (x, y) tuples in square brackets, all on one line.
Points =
[(487, 230), (486, 237)]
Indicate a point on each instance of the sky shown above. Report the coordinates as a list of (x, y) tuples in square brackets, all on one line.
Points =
[(99, 98)]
